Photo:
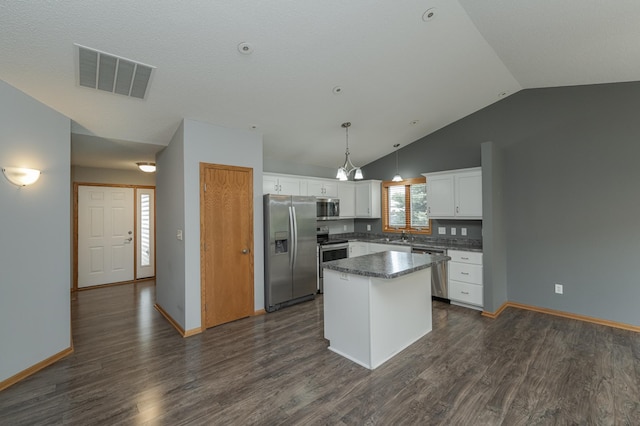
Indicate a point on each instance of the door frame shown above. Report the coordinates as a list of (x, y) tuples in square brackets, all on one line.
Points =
[(203, 274), (135, 233)]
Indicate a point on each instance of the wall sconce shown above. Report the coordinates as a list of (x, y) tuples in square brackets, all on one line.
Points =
[(147, 167), (21, 176)]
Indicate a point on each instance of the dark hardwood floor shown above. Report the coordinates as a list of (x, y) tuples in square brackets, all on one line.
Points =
[(524, 368)]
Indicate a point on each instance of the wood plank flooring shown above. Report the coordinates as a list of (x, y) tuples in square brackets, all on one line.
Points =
[(523, 368)]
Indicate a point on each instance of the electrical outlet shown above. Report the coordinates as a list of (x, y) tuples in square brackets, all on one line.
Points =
[(344, 227), (368, 227), (453, 231), (559, 289), (179, 234), (442, 230), (463, 231)]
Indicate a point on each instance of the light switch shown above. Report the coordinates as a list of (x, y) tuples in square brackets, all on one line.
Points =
[(179, 234), (453, 231), (442, 230), (463, 231)]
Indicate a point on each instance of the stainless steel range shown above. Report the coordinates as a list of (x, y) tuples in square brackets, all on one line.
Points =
[(330, 249)]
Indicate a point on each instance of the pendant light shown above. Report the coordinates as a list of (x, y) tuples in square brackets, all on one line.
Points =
[(345, 170), (397, 177)]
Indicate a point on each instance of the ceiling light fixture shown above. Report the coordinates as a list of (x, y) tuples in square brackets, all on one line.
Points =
[(345, 170), (397, 177), (21, 176), (147, 167)]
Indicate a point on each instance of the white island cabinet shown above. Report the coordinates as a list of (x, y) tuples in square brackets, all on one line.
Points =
[(377, 305)]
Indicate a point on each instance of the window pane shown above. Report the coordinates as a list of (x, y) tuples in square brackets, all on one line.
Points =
[(419, 218), (145, 230), (397, 207)]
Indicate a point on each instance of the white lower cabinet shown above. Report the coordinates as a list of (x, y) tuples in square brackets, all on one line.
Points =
[(358, 248), (465, 278)]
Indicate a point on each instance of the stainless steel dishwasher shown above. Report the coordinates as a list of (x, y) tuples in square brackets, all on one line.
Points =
[(439, 287)]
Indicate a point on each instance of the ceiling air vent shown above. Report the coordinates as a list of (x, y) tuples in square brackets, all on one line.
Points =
[(104, 71)]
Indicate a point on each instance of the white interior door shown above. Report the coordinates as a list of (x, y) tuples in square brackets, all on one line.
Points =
[(105, 235), (145, 238)]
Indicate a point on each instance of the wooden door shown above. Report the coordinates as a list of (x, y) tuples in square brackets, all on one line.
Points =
[(226, 226), (105, 235)]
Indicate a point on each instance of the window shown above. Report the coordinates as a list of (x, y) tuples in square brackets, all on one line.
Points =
[(404, 206)]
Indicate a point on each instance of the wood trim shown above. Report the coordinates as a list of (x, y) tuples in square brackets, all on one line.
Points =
[(93, 287), (35, 368), (175, 324), (563, 314), (384, 200), (259, 312)]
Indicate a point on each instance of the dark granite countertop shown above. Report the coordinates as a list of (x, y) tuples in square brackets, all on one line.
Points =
[(417, 241), (387, 264)]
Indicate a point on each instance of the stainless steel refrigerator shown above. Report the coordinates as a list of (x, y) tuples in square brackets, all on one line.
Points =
[(290, 250)]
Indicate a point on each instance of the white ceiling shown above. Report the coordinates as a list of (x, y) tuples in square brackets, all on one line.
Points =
[(393, 67)]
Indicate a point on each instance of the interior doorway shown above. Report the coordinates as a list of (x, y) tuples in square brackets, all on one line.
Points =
[(226, 249), (114, 234)]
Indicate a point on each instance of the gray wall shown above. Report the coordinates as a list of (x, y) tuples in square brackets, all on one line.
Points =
[(570, 203), (35, 234), (178, 207), (112, 176), (170, 258)]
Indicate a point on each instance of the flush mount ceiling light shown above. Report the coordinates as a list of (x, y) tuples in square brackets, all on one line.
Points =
[(21, 176), (397, 177), (147, 167), (345, 170)]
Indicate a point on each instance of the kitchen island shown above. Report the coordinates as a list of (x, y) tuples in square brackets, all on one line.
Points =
[(377, 304)]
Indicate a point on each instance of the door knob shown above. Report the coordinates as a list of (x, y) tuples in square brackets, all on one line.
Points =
[(245, 251)]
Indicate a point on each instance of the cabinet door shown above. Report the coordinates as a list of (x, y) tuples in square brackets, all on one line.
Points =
[(469, 194), (315, 188), (330, 188), (270, 184), (358, 248), (289, 186), (440, 198), (368, 199), (347, 197)]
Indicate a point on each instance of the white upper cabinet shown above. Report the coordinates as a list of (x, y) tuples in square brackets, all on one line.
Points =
[(347, 197), (455, 194), (322, 188), (282, 184), (368, 199)]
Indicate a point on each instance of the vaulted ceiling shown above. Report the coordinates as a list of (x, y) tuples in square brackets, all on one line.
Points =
[(397, 70)]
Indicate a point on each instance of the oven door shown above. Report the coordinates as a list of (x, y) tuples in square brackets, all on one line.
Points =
[(329, 252)]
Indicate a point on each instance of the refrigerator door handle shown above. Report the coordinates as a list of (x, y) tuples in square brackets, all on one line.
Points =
[(291, 237), (295, 236)]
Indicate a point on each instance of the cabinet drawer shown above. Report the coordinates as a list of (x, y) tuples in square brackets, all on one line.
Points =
[(465, 272), (465, 293), (474, 257)]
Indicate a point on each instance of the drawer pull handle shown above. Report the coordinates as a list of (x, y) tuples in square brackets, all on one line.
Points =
[(464, 292), (464, 258), (464, 273)]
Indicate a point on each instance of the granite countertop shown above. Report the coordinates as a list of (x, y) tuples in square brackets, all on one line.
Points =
[(387, 264), (418, 242)]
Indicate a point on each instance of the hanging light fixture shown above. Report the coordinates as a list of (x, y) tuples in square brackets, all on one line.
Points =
[(345, 170), (397, 177)]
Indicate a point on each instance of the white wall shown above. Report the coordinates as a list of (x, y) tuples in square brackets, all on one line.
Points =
[(35, 243), (178, 207)]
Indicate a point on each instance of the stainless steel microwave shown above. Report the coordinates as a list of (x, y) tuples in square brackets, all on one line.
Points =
[(328, 208)]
